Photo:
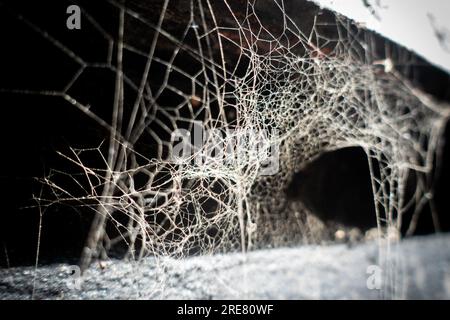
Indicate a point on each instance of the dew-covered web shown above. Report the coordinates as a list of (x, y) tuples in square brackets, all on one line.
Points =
[(267, 97)]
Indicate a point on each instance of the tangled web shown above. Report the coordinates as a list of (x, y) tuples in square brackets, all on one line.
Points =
[(264, 97)]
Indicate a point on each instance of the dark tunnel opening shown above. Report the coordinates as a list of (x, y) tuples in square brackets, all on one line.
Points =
[(336, 188)]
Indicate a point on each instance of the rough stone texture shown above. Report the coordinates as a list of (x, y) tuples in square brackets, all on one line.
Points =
[(308, 272)]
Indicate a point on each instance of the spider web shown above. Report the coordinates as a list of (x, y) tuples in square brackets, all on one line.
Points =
[(245, 81)]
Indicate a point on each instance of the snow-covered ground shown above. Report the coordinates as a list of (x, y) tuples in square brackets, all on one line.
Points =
[(308, 272), (422, 26)]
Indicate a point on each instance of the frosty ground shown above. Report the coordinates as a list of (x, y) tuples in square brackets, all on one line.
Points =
[(306, 272)]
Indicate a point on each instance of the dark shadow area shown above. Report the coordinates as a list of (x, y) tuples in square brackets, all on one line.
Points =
[(34, 127), (336, 187), (442, 189)]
